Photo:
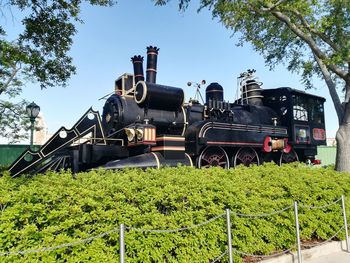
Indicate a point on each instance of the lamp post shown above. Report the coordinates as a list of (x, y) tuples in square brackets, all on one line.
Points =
[(32, 112)]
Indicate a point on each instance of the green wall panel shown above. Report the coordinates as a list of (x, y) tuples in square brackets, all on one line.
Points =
[(9, 152), (326, 154)]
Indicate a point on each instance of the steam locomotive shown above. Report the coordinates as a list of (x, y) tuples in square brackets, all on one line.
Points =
[(145, 124)]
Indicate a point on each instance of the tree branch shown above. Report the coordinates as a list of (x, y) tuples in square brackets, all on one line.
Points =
[(310, 41), (347, 89), (10, 108), (270, 8), (13, 75), (314, 31), (332, 89), (346, 119), (296, 30)]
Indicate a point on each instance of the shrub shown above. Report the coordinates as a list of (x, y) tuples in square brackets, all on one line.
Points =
[(55, 208)]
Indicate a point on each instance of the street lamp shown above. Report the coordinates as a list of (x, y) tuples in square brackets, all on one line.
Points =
[(32, 112)]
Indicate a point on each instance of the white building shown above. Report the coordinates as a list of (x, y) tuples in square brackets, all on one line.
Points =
[(41, 135)]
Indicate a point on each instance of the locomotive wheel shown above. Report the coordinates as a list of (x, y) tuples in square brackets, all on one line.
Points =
[(213, 156), (290, 157), (246, 156)]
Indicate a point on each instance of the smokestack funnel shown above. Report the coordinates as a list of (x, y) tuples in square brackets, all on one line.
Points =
[(137, 61), (251, 93), (151, 72)]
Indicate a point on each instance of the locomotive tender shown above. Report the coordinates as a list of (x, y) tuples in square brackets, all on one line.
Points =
[(145, 124)]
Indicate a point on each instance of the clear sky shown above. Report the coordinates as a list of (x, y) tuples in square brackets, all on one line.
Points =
[(192, 45)]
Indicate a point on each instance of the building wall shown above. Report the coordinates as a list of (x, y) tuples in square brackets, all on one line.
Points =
[(326, 154), (41, 135)]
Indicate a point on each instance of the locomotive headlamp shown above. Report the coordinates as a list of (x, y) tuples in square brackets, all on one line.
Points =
[(139, 134), (130, 133)]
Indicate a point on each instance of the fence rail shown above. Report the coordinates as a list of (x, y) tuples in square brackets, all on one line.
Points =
[(71, 244), (230, 251)]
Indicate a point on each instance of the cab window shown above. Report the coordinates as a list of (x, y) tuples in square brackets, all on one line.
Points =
[(317, 111), (300, 108), (308, 109)]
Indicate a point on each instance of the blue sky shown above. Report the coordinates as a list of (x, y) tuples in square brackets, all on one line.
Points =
[(192, 45)]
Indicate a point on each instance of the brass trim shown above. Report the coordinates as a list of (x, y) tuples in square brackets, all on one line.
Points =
[(144, 93), (214, 90), (189, 159), (169, 138), (168, 148), (185, 122), (157, 160)]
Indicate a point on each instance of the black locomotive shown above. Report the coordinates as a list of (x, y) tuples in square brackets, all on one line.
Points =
[(145, 124)]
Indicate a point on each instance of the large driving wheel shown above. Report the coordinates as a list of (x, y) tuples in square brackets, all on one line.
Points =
[(246, 156), (290, 157), (213, 156)]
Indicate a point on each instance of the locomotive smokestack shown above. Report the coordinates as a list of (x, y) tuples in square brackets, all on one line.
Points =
[(251, 93), (137, 61), (151, 72)]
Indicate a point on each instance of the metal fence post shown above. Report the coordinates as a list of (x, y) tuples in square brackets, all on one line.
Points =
[(345, 224), (122, 245), (229, 239), (297, 231)]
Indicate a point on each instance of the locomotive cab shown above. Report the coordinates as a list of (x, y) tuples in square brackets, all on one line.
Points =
[(303, 114)]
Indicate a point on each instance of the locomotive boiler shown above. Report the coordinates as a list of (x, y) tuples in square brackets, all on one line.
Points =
[(146, 124)]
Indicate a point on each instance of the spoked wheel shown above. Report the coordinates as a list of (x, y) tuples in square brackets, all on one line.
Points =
[(290, 157), (213, 156), (246, 156)]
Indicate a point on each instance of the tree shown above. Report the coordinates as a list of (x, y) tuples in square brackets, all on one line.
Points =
[(38, 54), (310, 36)]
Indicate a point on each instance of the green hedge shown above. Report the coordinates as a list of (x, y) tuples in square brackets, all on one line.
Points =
[(53, 209)]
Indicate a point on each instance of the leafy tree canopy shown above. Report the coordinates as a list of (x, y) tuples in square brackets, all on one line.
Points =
[(294, 32), (39, 53)]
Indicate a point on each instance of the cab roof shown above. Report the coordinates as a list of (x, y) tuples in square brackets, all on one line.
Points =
[(284, 90)]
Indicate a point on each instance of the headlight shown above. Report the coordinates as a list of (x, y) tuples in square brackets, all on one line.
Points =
[(130, 133), (139, 134)]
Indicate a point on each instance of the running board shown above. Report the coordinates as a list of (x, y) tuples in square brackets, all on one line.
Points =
[(90, 122)]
